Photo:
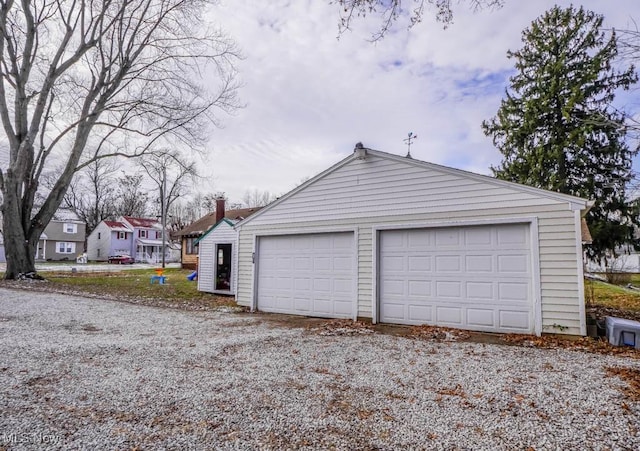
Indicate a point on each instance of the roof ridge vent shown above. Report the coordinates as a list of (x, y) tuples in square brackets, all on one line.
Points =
[(360, 151)]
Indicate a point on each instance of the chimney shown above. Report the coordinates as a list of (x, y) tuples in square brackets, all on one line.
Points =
[(219, 209)]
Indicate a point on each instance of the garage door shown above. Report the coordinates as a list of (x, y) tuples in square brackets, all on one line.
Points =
[(476, 278), (311, 274)]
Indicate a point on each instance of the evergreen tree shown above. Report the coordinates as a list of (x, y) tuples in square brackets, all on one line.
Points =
[(556, 128)]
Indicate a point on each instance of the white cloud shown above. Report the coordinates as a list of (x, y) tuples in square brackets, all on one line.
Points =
[(310, 97)]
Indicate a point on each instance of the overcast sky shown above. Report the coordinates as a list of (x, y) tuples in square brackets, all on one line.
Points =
[(310, 97)]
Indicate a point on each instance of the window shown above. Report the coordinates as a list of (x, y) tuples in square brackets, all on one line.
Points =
[(98, 252), (142, 233), (158, 235), (70, 228), (66, 248), (98, 235), (122, 235), (190, 248)]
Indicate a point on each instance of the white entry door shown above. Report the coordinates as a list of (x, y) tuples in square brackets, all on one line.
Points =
[(307, 274), (476, 277)]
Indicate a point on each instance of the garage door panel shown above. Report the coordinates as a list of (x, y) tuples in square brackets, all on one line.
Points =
[(307, 274), (344, 286), (393, 311), (303, 304), (478, 237), (419, 288), (515, 320), (394, 288), (475, 277), (448, 289), (513, 234), (418, 263), (420, 314), (393, 239), (284, 263), (481, 317), (479, 263), (342, 308), (449, 316), (344, 242), (513, 263), (419, 240), (514, 291), (303, 263), (321, 285), (343, 263), (448, 263), (302, 284), (447, 237), (480, 290)]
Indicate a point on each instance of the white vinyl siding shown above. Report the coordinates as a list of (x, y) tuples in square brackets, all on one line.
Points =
[(98, 243), (381, 191), (222, 234)]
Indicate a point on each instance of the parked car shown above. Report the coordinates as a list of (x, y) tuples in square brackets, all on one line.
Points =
[(122, 259)]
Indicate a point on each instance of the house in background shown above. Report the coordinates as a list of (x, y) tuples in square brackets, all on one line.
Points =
[(403, 241), (191, 234), (109, 238), (140, 238), (61, 240)]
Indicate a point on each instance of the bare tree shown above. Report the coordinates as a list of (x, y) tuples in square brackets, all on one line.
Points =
[(82, 81), (257, 198), (390, 11), (92, 193), (132, 198), (169, 171)]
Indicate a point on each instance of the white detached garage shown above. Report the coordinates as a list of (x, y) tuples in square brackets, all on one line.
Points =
[(403, 241)]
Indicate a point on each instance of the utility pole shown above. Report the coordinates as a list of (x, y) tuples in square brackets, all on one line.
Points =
[(163, 210)]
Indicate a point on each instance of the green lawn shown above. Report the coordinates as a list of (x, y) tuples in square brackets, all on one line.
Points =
[(136, 284), (613, 299)]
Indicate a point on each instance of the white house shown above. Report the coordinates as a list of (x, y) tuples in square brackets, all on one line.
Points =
[(217, 258), (140, 238), (404, 241)]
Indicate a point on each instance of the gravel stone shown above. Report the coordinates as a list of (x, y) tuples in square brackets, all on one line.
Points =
[(79, 373)]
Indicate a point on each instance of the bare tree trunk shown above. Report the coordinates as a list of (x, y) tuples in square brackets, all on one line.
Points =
[(117, 74), (20, 250)]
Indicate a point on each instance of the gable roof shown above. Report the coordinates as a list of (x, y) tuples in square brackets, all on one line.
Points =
[(229, 222), (117, 226), (143, 222), (203, 224), (576, 203)]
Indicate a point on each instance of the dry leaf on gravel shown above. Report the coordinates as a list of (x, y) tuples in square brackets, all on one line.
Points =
[(438, 333), (455, 391), (342, 327), (629, 375), (598, 346)]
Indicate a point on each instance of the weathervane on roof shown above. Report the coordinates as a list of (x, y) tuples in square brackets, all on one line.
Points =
[(409, 141)]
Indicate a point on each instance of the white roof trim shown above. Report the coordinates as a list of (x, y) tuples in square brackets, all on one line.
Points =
[(278, 201), (575, 203)]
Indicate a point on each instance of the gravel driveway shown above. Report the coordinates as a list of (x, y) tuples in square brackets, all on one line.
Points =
[(90, 374)]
